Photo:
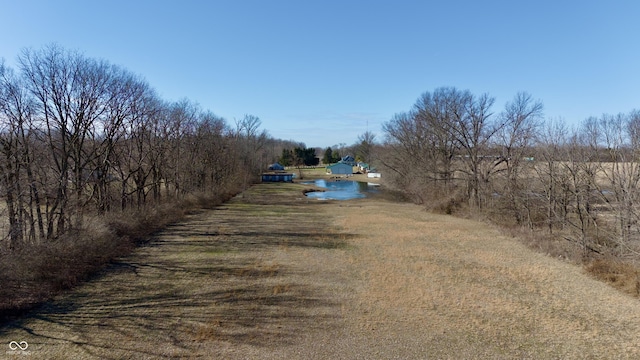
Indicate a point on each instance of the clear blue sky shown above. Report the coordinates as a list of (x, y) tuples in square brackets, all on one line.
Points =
[(319, 71)]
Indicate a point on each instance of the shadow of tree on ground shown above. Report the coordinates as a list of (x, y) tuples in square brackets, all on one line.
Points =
[(208, 279)]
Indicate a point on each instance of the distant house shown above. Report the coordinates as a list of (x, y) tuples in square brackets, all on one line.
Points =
[(340, 168), (349, 160), (276, 167), (276, 174), (362, 166)]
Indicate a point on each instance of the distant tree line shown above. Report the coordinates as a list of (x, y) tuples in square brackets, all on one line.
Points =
[(82, 136), (451, 150), (331, 156), (299, 156)]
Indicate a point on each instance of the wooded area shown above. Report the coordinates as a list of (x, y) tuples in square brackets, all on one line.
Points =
[(578, 184), (80, 137)]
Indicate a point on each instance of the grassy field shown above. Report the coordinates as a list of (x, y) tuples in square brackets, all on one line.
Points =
[(271, 274)]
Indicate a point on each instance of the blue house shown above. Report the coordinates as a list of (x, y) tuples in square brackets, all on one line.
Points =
[(340, 168), (276, 167), (349, 160)]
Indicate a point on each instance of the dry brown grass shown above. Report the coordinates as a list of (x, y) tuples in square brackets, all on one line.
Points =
[(622, 275), (272, 275), (552, 245), (217, 279), (37, 272), (466, 291)]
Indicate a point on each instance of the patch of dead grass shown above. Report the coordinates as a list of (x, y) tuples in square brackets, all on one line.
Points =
[(38, 272), (619, 274), (244, 282), (483, 291), (216, 280)]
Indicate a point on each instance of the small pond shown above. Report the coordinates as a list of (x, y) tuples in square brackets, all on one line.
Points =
[(340, 190)]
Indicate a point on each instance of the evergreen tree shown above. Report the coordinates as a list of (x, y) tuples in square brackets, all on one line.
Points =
[(328, 156), (287, 158)]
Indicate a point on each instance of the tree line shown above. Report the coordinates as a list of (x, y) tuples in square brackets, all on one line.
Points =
[(580, 183), (81, 136)]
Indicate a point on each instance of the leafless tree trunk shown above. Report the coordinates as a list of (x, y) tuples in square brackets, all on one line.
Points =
[(407, 156), (549, 170), (123, 103), (620, 172), (365, 144), (435, 115), (70, 90), (16, 108), (250, 142), (473, 130), (582, 169), (520, 122)]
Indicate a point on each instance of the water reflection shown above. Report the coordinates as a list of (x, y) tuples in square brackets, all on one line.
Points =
[(340, 190)]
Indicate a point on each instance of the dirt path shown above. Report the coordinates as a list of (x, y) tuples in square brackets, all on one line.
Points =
[(272, 275)]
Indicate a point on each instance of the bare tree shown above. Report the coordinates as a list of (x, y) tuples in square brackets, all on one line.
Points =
[(473, 130), (249, 143), (16, 115), (10, 122), (216, 163), (448, 132), (248, 126), (406, 155), (365, 145), (423, 142), (619, 170), (135, 156), (550, 145), (435, 115), (183, 117), (581, 168), (70, 90), (520, 122), (124, 95)]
